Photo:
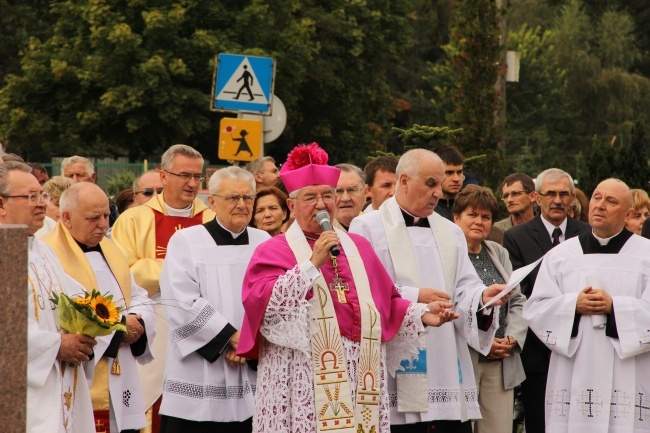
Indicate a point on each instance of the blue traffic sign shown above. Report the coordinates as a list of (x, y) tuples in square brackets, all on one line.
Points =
[(243, 84)]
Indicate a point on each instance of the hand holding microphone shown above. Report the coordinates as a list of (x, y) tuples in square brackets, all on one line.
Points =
[(326, 244), (323, 219)]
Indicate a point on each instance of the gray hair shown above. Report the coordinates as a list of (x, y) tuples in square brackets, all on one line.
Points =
[(69, 199), (90, 168), (5, 169), (137, 180), (552, 175), (57, 185), (349, 168), (231, 172), (178, 149), (409, 163), (256, 165)]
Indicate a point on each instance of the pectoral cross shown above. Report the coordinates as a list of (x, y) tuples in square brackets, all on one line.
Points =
[(340, 289)]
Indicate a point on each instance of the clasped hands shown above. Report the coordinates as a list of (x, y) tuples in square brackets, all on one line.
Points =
[(593, 302), (232, 359), (501, 347)]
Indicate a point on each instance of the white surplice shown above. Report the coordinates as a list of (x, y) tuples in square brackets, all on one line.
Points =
[(449, 365), (285, 368), (201, 285), (596, 383), (54, 403), (127, 410)]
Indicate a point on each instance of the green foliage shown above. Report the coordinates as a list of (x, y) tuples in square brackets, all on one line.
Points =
[(628, 161), (427, 137), (119, 182), (134, 76)]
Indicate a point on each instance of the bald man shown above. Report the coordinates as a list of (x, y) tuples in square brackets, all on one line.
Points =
[(591, 307)]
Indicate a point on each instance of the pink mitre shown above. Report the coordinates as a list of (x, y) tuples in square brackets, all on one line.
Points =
[(307, 165)]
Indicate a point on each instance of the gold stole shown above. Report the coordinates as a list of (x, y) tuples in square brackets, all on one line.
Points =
[(334, 406), (77, 266)]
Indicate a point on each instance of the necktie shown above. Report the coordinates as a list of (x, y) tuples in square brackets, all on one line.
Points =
[(556, 236)]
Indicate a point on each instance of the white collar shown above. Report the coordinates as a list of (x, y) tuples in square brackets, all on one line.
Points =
[(180, 212), (550, 227), (604, 241), (234, 235)]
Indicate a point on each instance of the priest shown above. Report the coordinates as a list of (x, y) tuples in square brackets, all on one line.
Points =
[(326, 326), (207, 386), (591, 307), (419, 248), (143, 232), (57, 392), (97, 264)]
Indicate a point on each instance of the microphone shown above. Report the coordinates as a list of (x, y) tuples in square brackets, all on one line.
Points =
[(323, 219)]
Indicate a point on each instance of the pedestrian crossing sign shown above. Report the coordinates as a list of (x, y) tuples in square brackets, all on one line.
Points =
[(243, 84), (240, 139)]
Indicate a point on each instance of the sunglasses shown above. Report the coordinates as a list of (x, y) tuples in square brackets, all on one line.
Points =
[(148, 192)]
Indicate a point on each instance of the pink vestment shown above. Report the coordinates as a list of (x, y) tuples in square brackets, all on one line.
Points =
[(274, 258)]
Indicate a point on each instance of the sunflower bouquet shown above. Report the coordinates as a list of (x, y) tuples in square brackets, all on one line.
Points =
[(92, 314)]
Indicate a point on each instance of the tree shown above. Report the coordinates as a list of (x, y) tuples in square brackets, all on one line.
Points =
[(134, 76), (476, 64), (628, 161)]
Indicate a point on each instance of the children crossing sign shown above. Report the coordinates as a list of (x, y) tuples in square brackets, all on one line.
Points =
[(240, 139), (243, 84)]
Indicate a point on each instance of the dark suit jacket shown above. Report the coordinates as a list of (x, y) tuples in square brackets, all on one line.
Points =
[(526, 243)]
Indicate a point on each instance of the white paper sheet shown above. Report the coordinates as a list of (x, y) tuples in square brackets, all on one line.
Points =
[(514, 280)]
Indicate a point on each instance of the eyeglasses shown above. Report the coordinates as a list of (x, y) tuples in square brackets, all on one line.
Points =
[(513, 194), (351, 190), (187, 176), (328, 197), (234, 198), (550, 195), (148, 192), (34, 198)]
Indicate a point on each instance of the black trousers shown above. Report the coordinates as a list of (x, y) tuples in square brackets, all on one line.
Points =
[(169, 424), (533, 395), (442, 426)]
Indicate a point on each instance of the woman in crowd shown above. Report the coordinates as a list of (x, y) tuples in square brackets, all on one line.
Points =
[(501, 370), (270, 210), (55, 188), (641, 203)]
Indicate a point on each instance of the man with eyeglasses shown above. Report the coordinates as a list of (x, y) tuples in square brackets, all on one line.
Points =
[(309, 369), (201, 283), (454, 177), (349, 194), (87, 255), (58, 398), (519, 195), (143, 233), (427, 256), (526, 243), (147, 185)]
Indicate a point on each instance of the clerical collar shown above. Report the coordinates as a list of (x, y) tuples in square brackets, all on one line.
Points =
[(595, 245), (179, 212), (223, 236), (550, 227), (87, 249), (413, 221)]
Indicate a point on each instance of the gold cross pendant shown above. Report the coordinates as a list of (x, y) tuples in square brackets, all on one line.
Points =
[(340, 289)]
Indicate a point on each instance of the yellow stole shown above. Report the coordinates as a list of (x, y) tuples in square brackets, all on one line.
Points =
[(77, 266)]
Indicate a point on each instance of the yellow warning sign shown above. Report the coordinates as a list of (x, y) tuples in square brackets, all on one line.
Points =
[(240, 139)]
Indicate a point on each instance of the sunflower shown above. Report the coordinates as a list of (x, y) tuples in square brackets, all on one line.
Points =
[(105, 309), (84, 301)]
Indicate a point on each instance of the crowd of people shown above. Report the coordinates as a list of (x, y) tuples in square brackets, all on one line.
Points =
[(326, 297)]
